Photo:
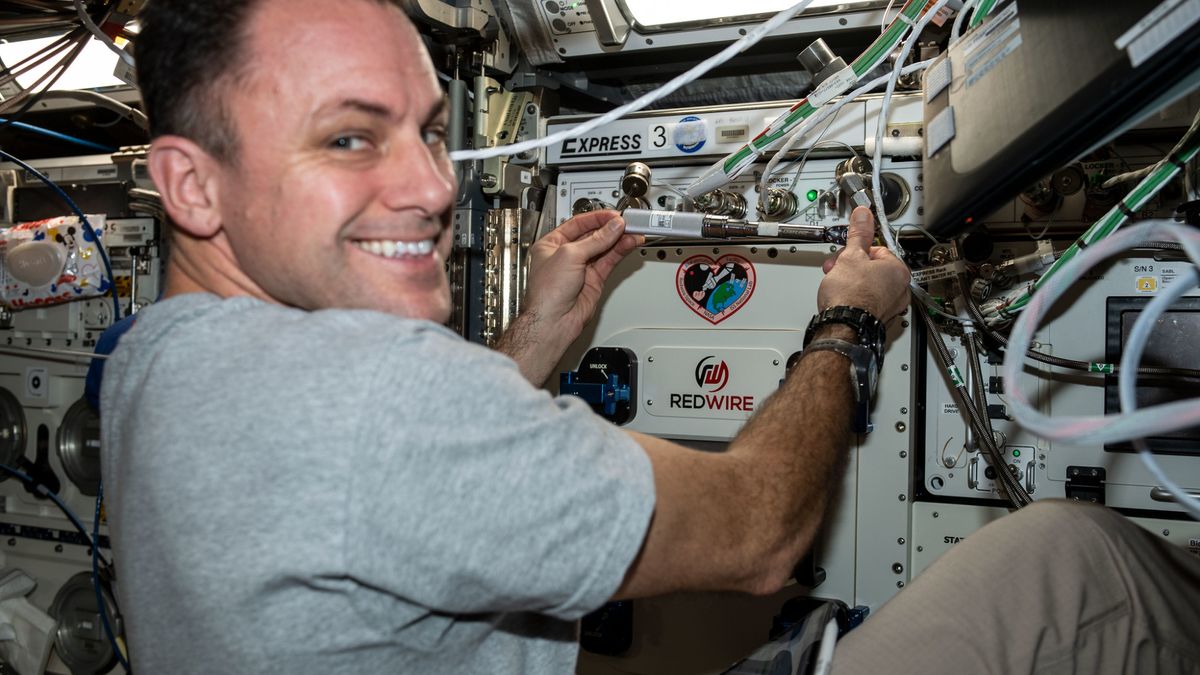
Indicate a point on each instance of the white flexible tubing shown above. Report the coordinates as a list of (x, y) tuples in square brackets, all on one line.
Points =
[(752, 38), (1135, 345), (823, 114), (877, 166), (956, 32), (1103, 428)]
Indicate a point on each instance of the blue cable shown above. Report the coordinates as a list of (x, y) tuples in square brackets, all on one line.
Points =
[(91, 541), (57, 135), (112, 281), (112, 637), (47, 492)]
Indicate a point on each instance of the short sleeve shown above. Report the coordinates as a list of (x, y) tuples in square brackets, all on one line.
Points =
[(480, 493)]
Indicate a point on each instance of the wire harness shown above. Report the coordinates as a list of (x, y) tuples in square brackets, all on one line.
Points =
[(1130, 425)]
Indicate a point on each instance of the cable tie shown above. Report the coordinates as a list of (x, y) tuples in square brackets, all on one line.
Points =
[(1123, 208), (903, 17), (1081, 243)]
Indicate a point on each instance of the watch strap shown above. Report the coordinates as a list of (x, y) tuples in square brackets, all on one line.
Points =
[(863, 373), (870, 331)]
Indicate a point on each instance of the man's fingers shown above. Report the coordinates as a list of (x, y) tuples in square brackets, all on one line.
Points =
[(583, 223), (605, 264), (831, 261), (599, 241), (862, 229)]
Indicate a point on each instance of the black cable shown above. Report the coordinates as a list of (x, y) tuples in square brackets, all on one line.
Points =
[(1009, 487), (1050, 360), (53, 496)]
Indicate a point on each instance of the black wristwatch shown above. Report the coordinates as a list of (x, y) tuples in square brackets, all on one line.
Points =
[(871, 331), (864, 376)]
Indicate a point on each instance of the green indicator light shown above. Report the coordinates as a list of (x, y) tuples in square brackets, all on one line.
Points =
[(1016, 453), (812, 195)]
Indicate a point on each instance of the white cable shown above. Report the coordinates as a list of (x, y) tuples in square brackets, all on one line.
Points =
[(1131, 358), (825, 653), (752, 38), (825, 112), (95, 30), (1099, 429), (956, 31), (884, 22), (877, 167)]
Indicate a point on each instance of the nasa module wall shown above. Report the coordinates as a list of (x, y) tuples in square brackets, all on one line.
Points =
[(702, 333), (48, 429)]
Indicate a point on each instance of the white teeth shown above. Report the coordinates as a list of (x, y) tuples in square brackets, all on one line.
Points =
[(396, 249)]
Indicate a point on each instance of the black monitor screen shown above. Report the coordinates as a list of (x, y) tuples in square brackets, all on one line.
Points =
[(1174, 343)]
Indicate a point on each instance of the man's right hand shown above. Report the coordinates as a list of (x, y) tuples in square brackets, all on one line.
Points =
[(865, 276)]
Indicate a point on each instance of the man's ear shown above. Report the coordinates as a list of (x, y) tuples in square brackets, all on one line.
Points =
[(187, 176)]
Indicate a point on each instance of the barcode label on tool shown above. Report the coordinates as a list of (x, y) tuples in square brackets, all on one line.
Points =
[(662, 221)]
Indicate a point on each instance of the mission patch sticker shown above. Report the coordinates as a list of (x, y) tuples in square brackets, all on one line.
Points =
[(715, 289)]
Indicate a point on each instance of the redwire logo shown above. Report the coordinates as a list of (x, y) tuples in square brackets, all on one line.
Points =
[(712, 374)]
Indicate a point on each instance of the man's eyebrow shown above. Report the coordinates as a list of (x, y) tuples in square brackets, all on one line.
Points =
[(368, 107), (378, 109)]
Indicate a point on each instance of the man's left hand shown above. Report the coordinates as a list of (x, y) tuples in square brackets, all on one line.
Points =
[(567, 271)]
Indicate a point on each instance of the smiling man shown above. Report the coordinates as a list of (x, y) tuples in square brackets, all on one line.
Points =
[(309, 474)]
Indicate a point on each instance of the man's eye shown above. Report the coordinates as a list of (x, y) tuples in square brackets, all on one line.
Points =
[(434, 136), (350, 142)]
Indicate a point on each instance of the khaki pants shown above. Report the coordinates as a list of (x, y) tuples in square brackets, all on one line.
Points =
[(1055, 588)]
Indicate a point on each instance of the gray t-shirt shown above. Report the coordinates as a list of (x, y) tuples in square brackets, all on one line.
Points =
[(349, 492)]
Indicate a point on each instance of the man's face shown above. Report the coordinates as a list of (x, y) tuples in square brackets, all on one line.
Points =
[(341, 190)]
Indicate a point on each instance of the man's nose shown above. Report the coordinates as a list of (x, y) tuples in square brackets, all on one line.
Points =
[(420, 177)]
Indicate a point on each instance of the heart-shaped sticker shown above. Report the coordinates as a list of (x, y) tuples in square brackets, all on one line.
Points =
[(715, 289)]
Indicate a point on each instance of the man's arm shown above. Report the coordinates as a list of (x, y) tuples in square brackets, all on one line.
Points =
[(567, 271), (741, 519)]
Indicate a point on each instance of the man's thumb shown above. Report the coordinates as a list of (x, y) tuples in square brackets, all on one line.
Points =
[(862, 229)]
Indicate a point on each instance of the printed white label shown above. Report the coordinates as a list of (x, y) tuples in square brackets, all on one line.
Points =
[(733, 134), (37, 383), (836, 85), (949, 408), (1157, 29), (662, 220), (938, 273), (660, 135)]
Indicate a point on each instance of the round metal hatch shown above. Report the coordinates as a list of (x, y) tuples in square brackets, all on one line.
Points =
[(79, 638), (79, 447), (12, 429)]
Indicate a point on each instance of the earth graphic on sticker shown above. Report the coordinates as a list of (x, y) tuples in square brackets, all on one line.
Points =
[(715, 289)]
